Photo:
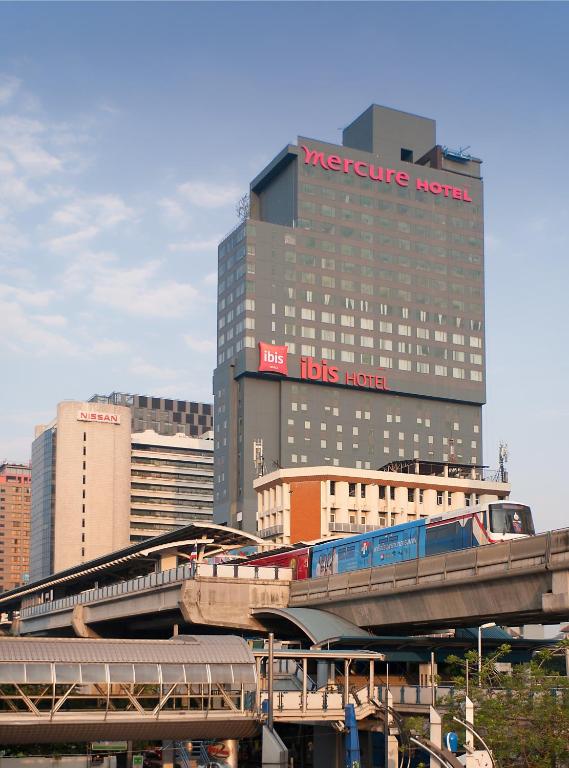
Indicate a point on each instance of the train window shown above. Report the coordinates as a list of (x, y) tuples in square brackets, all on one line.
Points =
[(511, 518)]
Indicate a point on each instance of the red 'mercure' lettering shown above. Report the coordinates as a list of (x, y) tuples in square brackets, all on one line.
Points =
[(422, 185), (314, 157), (347, 164), (357, 167), (334, 163), (376, 176)]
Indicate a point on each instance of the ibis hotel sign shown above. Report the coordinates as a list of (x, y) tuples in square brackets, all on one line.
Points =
[(273, 359), (100, 418), (380, 174)]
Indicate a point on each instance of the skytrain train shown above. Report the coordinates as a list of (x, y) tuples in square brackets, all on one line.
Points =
[(460, 529)]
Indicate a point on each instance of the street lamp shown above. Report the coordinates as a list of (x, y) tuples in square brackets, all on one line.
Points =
[(483, 626)]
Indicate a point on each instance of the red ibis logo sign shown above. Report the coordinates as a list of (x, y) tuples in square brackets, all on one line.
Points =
[(273, 358)]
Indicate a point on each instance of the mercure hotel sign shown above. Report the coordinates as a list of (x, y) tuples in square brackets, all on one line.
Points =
[(380, 174)]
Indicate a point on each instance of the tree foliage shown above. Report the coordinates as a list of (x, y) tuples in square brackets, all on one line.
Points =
[(523, 715)]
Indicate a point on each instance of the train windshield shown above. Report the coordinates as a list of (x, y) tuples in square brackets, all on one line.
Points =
[(511, 518)]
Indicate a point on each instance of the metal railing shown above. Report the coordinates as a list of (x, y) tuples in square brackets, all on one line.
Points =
[(352, 527), (274, 530), (154, 580)]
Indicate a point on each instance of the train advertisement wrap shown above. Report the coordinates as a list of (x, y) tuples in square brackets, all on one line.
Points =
[(381, 547)]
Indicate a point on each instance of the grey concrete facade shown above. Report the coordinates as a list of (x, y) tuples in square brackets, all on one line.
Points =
[(382, 279)]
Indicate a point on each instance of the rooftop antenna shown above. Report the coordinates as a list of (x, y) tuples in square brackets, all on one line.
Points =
[(503, 456), (258, 458), (451, 453)]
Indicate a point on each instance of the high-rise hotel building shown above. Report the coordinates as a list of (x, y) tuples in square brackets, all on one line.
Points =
[(351, 310)]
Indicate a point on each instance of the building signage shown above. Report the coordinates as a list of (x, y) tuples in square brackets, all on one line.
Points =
[(101, 418), (273, 358), (380, 174), (322, 371)]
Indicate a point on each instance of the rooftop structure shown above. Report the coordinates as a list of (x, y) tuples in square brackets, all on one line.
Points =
[(161, 414)]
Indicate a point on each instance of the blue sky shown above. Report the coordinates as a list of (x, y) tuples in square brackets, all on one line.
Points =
[(129, 130)]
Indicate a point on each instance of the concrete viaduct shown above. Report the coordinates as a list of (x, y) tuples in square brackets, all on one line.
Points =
[(520, 581)]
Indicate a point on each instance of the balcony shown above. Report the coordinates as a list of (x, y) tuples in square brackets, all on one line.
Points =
[(351, 528), (267, 533)]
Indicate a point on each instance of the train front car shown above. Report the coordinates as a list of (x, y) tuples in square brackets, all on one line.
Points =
[(505, 520)]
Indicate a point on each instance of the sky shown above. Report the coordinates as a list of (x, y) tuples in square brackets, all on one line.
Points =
[(128, 131)]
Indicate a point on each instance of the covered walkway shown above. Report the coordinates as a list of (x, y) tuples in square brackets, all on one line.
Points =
[(89, 690)]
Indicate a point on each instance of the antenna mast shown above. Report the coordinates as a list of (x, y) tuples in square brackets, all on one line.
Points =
[(502, 461)]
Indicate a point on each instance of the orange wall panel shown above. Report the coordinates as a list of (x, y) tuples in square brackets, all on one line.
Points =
[(304, 511)]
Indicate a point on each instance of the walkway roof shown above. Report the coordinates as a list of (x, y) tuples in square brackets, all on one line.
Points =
[(140, 558)]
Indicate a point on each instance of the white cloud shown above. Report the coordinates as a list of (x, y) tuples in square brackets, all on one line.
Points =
[(23, 333), (18, 193), (52, 321), (12, 239), (205, 194), (24, 141), (9, 86), (174, 212), (74, 241), (196, 246), (88, 217), (109, 347), (141, 367), (26, 296), (139, 291), (102, 210), (199, 345), (210, 278)]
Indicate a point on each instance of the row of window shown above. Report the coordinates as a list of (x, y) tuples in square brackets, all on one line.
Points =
[(387, 492), (381, 289), (367, 201), (402, 256), (360, 464), (401, 225), (346, 267)]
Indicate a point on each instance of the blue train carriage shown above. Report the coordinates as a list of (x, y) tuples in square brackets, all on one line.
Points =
[(382, 547), (460, 529)]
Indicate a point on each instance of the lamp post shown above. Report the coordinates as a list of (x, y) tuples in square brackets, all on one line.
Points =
[(483, 626)]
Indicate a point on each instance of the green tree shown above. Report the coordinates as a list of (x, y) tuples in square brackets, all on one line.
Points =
[(523, 715)]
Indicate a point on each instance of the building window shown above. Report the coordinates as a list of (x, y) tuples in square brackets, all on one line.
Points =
[(362, 491), (410, 495), (351, 490), (332, 487), (439, 498)]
